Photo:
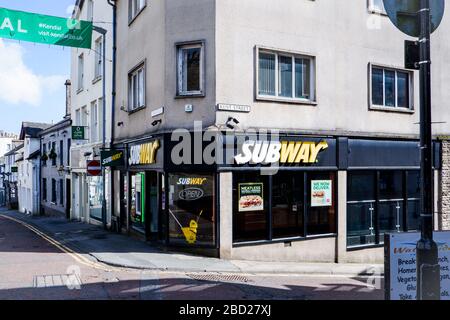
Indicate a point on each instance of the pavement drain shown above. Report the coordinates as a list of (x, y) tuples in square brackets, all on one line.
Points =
[(59, 280), (218, 277)]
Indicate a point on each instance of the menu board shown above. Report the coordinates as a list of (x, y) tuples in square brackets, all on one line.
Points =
[(251, 197), (400, 271), (321, 193)]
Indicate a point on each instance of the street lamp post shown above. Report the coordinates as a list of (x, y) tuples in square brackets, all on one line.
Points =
[(428, 273), (103, 32)]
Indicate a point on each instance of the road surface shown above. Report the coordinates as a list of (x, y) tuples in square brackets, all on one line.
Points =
[(34, 266)]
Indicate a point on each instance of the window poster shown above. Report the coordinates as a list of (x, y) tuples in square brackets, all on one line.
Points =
[(191, 209), (321, 193), (251, 197)]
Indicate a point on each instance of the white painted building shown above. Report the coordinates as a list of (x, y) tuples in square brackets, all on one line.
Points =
[(28, 163), (87, 111), (6, 144)]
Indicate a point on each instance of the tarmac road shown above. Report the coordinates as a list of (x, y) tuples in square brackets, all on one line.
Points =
[(35, 266)]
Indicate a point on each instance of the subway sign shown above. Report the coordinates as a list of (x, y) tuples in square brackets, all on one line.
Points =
[(112, 158), (284, 152), (143, 154)]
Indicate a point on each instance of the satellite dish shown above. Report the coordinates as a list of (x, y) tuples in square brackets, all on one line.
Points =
[(404, 15)]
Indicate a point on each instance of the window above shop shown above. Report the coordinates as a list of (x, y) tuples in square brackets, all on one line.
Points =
[(391, 89), (285, 76), (136, 88), (190, 69), (135, 7)]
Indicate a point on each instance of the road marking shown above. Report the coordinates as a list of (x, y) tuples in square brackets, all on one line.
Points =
[(76, 256)]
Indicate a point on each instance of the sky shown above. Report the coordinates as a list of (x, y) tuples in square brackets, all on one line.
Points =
[(32, 75)]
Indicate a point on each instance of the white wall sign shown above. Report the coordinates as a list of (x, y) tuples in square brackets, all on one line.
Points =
[(233, 107), (400, 271)]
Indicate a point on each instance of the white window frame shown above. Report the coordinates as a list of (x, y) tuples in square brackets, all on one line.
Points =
[(80, 72), (312, 77), (373, 8), (98, 68), (135, 7), (180, 47), (133, 79), (395, 108)]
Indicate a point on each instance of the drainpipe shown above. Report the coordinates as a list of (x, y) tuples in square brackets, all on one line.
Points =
[(112, 3), (103, 32)]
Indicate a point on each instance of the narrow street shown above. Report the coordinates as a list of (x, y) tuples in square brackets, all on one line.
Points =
[(34, 266)]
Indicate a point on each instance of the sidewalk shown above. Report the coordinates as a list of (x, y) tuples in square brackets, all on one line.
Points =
[(122, 251)]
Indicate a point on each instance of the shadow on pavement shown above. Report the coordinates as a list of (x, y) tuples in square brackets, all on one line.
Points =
[(189, 289)]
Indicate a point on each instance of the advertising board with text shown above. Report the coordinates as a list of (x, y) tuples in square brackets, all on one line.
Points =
[(321, 193), (251, 197), (400, 261), (39, 28)]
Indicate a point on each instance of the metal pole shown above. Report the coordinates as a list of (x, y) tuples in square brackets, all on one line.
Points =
[(428, 273), (104, 132)]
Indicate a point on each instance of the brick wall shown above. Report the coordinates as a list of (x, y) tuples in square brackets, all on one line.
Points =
[(444, 186)]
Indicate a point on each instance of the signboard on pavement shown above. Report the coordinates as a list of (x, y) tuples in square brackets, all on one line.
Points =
[(400, 265), (38, 28), (93, 168)]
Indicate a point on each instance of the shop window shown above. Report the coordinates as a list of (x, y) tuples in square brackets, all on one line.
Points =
[(137, 201), (413, 194), (191, 209), (381, 202), (390, 207), (296, 198), (321, 214), (361, 208), (250, 217), (288, 205), (95, 197)]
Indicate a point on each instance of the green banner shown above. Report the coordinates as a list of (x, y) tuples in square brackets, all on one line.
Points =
[(25, 26), (78, 133)]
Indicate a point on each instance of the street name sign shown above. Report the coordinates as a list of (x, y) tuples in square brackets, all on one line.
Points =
[(404, 15), (38, 28), (400, 265)]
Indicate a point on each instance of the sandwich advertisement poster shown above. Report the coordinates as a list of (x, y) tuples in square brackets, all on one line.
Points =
[(251, 197), (321, 193)]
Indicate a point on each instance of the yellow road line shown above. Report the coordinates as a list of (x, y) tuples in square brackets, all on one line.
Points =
[(76, 256)]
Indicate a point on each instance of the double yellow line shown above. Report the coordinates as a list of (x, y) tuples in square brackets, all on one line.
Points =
[(76, 256)]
